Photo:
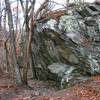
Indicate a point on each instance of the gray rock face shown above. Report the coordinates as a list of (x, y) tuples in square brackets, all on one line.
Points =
[(76, 37), (60, 69), (65, 74), (94, 65), (63, 71), (70, 42), (69, 24)]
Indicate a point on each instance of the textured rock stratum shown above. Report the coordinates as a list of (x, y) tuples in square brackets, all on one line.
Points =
[(70, 38)]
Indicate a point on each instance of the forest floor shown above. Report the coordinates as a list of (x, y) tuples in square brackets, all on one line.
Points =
[(89, 90), (46, 90)]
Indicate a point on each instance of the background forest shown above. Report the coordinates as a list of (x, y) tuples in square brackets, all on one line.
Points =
[(49, 50)]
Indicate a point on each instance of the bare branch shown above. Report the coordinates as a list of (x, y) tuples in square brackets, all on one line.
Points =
[(22, 5), (45, 3)]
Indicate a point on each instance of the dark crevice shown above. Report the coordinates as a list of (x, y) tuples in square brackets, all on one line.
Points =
[(93, 8)]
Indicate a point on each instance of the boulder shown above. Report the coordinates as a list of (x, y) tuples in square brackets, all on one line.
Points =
[(64, 47), (63, 72), (66, 74)]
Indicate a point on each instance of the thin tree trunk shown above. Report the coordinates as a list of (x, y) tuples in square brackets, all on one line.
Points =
[(5, 46), (6, 57), (28, 42), (32, 66), (26, 53), (30, 39), (11, 29)]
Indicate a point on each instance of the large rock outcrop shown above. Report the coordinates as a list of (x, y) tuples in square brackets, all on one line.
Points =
[(63, 48)]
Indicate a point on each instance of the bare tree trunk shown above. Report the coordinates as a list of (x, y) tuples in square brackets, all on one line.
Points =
[(26, 53), (28, 37), (11, 29), (32, 66), (32, 23), (5, 46), (29, 34), (6, 57)]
